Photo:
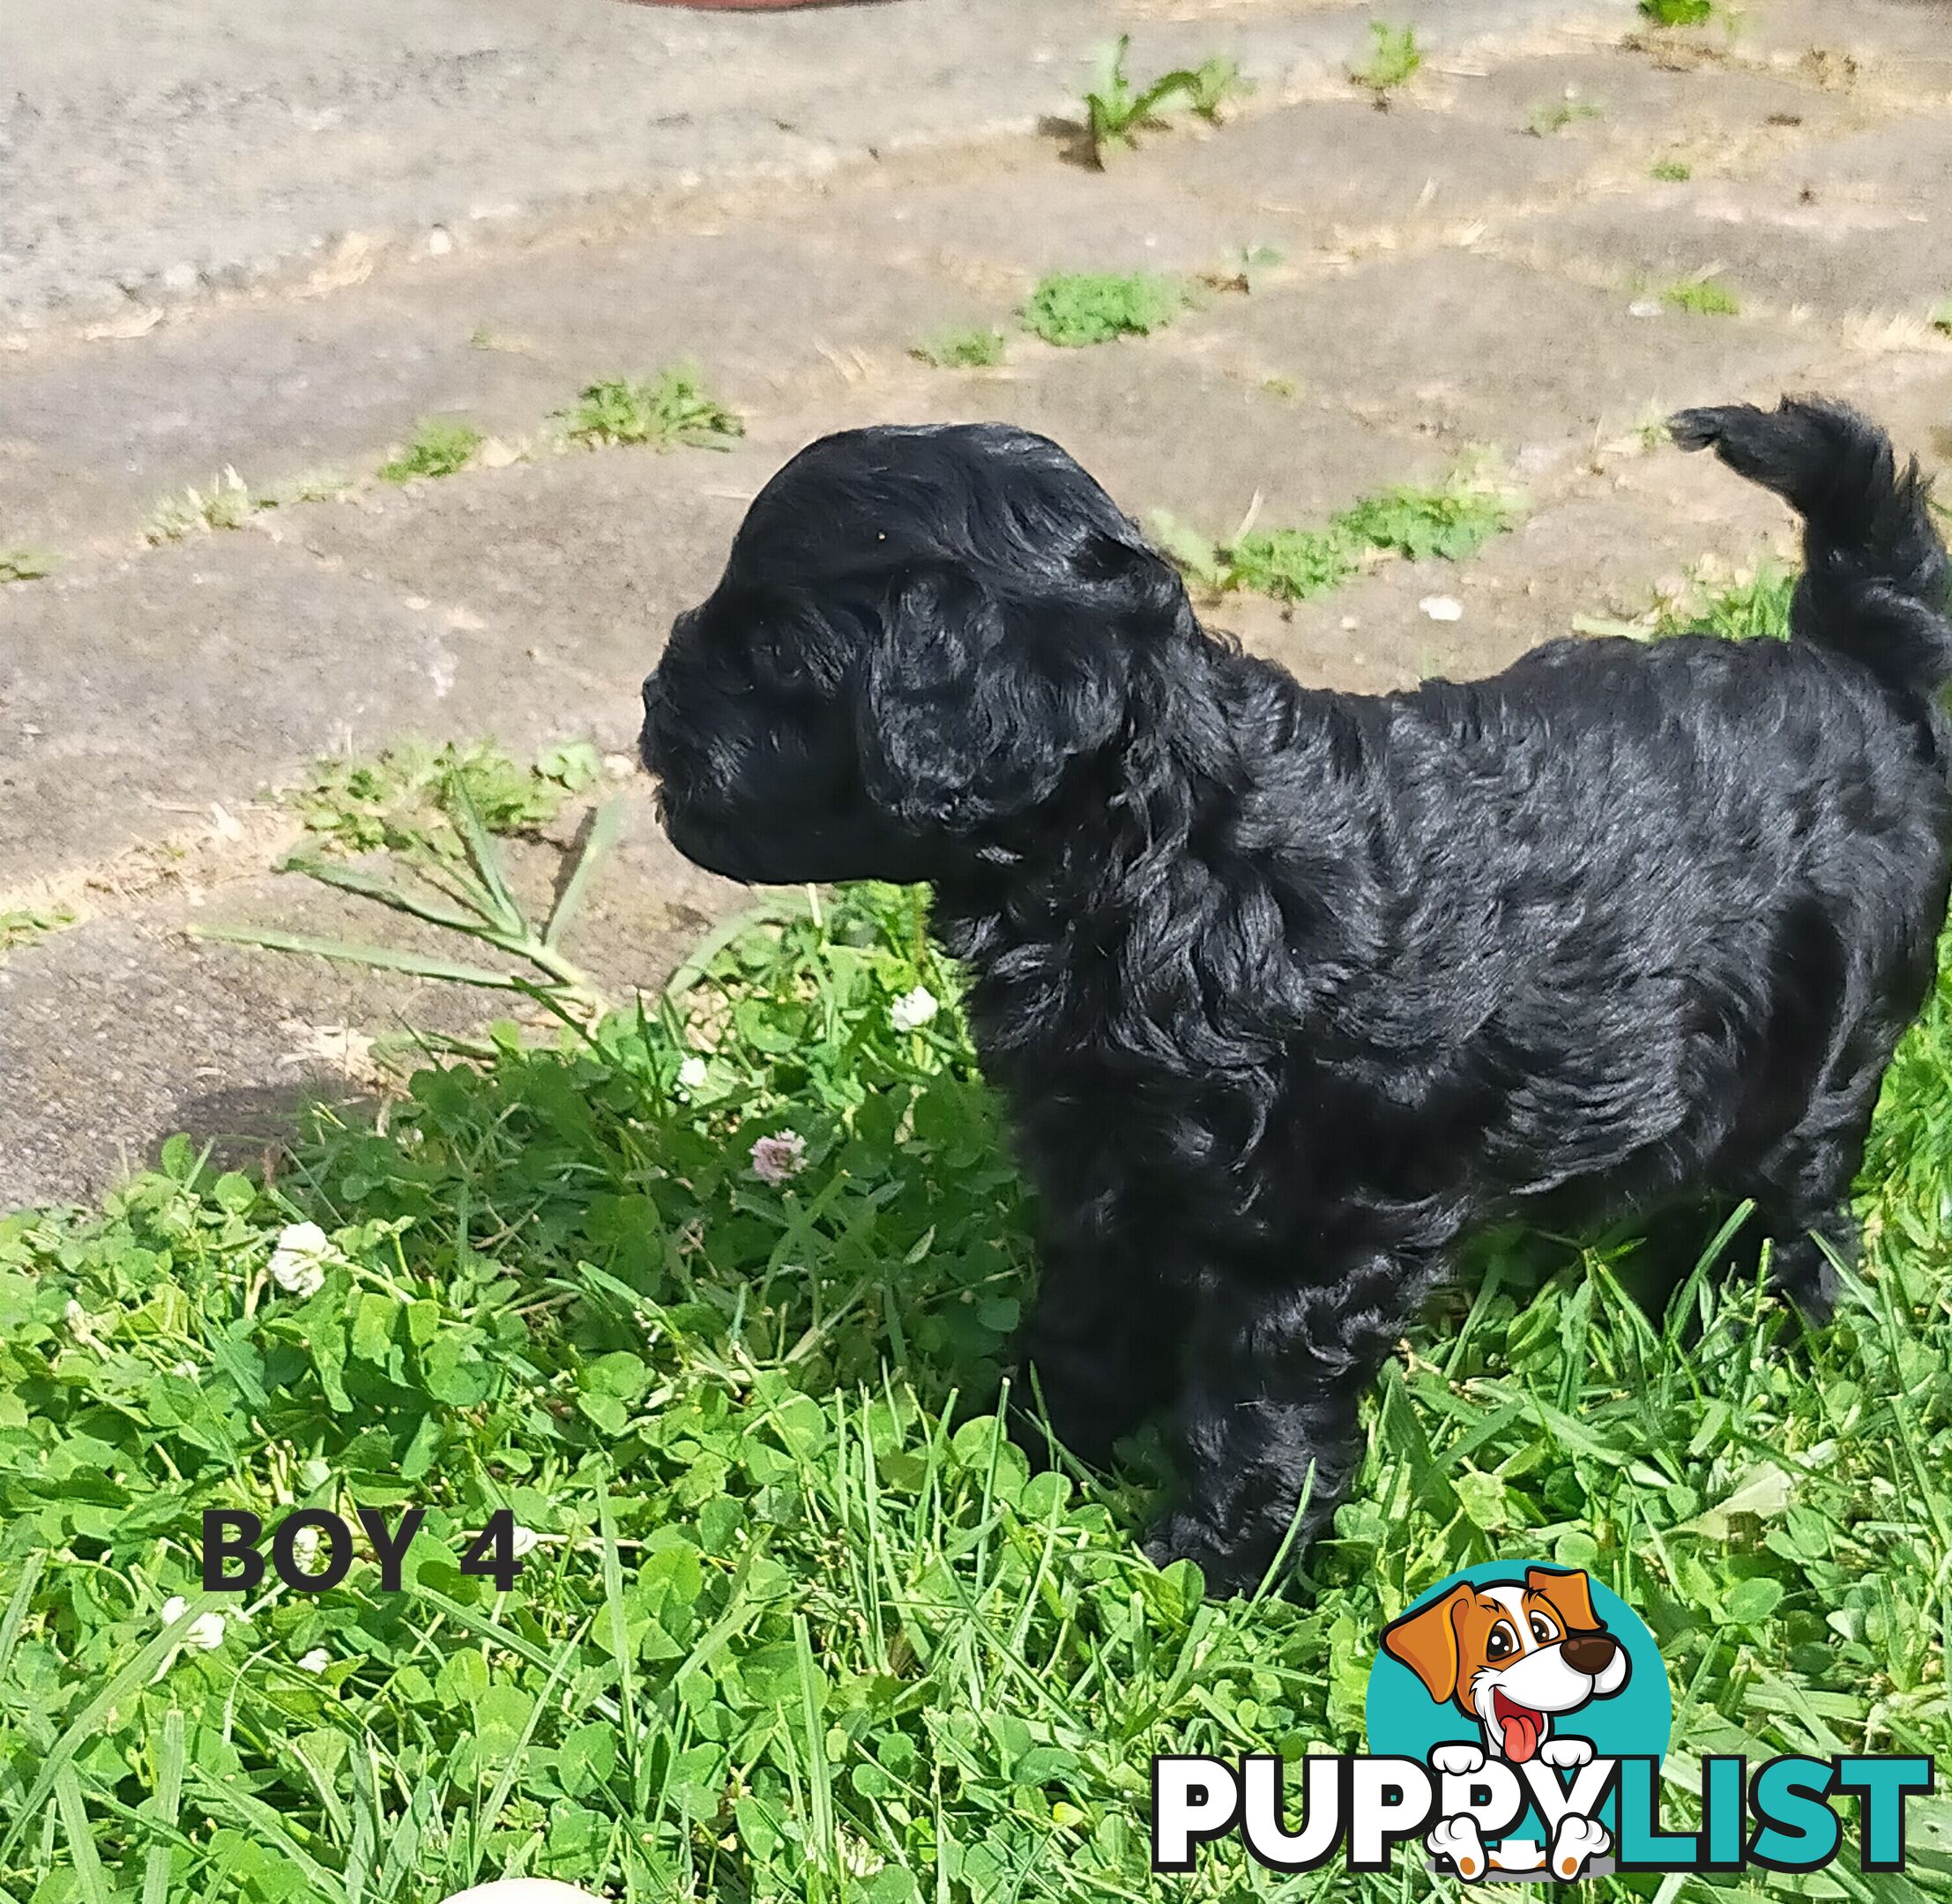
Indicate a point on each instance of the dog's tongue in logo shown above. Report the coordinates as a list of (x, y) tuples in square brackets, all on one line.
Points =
[(1520, 1725)]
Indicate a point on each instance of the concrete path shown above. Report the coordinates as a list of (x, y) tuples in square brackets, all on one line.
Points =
[(1484, 266)]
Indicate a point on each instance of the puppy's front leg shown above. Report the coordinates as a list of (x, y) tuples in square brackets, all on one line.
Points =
[(1277, 1375), (1104, 1343)]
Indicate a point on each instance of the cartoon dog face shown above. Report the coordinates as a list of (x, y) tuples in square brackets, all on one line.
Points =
[(1512, 1657)]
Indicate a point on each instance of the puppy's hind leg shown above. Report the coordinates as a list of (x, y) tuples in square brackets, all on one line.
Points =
[(1278, 1376), (1802, 1193)]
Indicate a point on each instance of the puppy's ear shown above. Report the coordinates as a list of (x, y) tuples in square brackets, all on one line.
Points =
[(1569, 1592), (972, 706), (1426, 1642)]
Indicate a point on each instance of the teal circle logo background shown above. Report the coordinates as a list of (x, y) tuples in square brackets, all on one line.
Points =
[(1403, 1721)]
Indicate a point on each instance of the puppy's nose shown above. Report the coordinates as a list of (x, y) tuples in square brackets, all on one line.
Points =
[(1589, 1653)]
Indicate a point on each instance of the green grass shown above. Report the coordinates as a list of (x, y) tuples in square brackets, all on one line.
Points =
[(1704, 297), (1557, 115), (1116, 109), (1677, 12), (309, 486), (1076, 308), (22, 925), (981, 348), (1672, 171), (226, 502), (402, 798), (1395, 58), (1245, 270), (1941, 317), (794, 1623), (1451, 522), (440, 446), (1754, 606), (797, 1624), (666, 410), (22, 562)]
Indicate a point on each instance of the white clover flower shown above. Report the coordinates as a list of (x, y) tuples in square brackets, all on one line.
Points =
[(914, 1009), (298, 1263), (775, 1158), (206, 1630), (183, 1371), (691, 1073), (316, 1661)]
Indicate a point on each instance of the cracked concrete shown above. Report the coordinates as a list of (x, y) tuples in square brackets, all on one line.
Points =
[(1450, 281)]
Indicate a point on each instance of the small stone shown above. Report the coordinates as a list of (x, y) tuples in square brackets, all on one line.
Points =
[(1443, 608), (1645, 307), (440, 242)]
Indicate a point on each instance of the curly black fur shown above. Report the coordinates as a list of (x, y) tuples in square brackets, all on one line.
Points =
[(1291, 991)]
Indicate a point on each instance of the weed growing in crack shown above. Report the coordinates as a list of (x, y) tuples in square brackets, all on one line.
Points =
[(1115, 110), (1395, 57), (227, 503), (1450, 523), (670, 410), (977, 349), (1076, 309), (440, 446)]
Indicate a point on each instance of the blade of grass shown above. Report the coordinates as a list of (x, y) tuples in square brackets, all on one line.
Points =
[(169, 1798), (17, 1608), (367, 886), (598, 833), (382, 958), (260, 1822), (617, 1615), (485, 856), (84, 1727), (819, 1772), (513, 1766), (780, 910), (90, 1879)]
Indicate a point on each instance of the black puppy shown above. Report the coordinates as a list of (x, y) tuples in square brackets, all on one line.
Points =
[(1289, 991)]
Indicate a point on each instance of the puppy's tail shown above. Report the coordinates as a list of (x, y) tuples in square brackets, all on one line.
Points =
[(1876, 585)]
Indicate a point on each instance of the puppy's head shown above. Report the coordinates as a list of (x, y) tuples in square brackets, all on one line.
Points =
[(922, 637), (1512, 1656)]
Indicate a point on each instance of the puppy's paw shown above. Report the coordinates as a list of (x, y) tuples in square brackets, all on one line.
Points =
[(1563, 1754), (1577, 1841), (1801, 1269), (1227, 1571), (1458, 1839), (1459, 1760)]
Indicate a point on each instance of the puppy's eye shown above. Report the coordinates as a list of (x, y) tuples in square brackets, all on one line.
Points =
[(1502, 1643), (1543, 1630)]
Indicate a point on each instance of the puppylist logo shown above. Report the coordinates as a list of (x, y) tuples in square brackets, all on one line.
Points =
[(1517, 1717)]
